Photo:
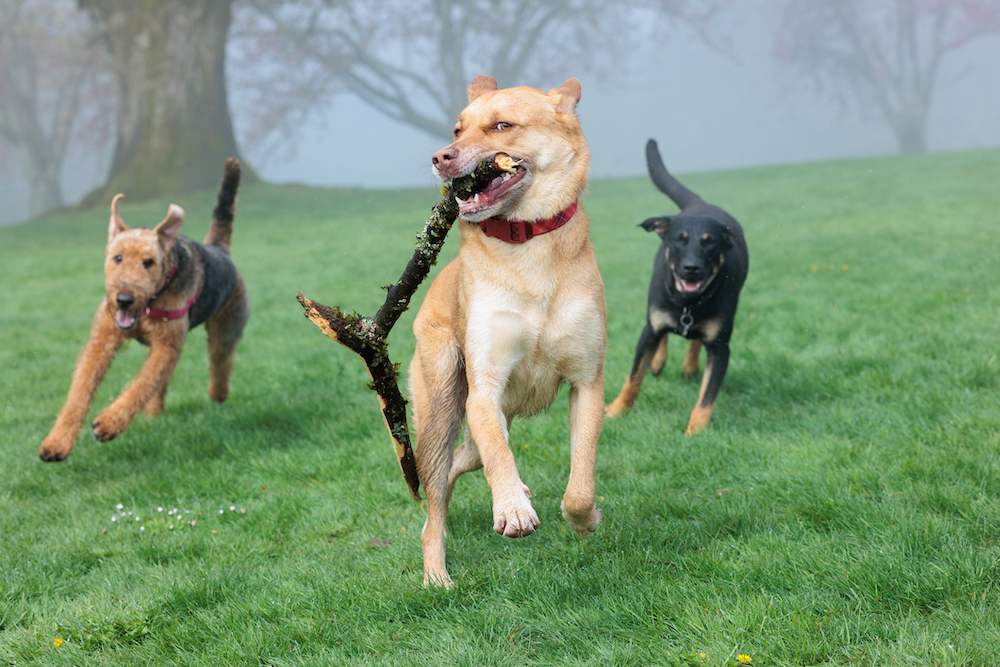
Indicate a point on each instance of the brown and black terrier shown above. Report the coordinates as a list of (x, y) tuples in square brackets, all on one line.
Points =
[(159, 285)]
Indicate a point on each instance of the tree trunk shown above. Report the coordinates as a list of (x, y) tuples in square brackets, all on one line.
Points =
[(46, 192), (910, 134), (174, 129)]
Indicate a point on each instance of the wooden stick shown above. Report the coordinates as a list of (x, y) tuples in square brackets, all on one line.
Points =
[(366, 336)]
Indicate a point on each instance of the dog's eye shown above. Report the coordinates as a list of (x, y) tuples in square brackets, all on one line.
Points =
[(457, 131), (708, 241), (118, 259), (502, 125), (148, 263)]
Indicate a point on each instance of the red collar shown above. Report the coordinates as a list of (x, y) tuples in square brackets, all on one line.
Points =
[(519, 231), (165, 315), (170, 276)]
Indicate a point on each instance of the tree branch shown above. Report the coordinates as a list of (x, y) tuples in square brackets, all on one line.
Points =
[(367, 336)]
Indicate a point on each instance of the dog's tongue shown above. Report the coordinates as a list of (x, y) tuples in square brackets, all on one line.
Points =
[(124, 319), (692, 285)]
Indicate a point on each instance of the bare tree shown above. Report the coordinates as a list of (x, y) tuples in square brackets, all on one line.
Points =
[(412, 59), (881, 53), (53, 92), (174, 128)]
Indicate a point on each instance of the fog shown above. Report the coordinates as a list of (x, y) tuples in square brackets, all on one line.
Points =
[(708, 108)]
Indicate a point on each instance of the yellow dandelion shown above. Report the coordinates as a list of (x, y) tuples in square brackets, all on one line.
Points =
[(744, 659), (845, 267), (814, 268), (58, 642)]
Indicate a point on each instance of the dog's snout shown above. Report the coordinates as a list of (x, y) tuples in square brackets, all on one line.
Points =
[(124, 300), (444, 157), (690, 269)]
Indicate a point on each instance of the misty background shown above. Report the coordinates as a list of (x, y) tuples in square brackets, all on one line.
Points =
[(713, 93)]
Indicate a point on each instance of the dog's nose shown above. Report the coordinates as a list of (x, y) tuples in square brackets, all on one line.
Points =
[(124, 300), (444, 157), (689, 270)]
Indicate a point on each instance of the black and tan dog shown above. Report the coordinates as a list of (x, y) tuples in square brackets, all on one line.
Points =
[(697, 276), (159, 285)]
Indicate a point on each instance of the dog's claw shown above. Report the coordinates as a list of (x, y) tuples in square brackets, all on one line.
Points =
[(50, 456), (520, 527)]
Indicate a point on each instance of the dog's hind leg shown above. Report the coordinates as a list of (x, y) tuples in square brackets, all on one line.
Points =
[(586, 414), (711, 383), (689, 369), (225, 329), (466, 459), (155, 406), (94, 361), (660, 358), (644, 353), (437, 389)]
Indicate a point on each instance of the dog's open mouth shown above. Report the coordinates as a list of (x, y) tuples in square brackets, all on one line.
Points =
[(690, 286), (491, 179), (125, 319)]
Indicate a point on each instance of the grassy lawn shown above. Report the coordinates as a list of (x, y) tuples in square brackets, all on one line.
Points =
[(842, 508)]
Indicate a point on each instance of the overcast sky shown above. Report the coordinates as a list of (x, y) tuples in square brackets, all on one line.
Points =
[(708, 110)]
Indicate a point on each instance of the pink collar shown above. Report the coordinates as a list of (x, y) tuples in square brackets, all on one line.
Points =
[(165, 315), (519, 231)]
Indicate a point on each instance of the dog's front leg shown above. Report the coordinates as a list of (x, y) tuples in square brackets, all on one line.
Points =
[(586, 415), (645, 350), (711, 382), (689, 369), (513, 515), (156, 372), (94, 362)]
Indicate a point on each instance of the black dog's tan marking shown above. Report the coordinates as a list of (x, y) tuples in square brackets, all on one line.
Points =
[(697, 276), (159, 285)]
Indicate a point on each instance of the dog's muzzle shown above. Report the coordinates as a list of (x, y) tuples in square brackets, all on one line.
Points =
[(125, 317)]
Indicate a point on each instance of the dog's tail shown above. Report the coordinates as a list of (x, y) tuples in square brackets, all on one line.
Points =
[(221, 231), (664, 181)]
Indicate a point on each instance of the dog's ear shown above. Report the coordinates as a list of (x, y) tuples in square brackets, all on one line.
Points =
[(170, 229), (480, 85), (117, 224), (659, 225), (727, 239), (569, 94)]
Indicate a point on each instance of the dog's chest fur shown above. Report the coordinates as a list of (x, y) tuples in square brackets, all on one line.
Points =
[(530, 322)]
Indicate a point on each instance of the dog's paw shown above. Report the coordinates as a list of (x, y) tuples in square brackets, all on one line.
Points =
[(56, 447), (437, 579), (614, 409), (515, 517), (699, 420), (109, 425), (584, 525), (690, 373)]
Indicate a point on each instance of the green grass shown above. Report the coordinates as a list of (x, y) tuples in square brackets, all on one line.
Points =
[(842, 508)]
